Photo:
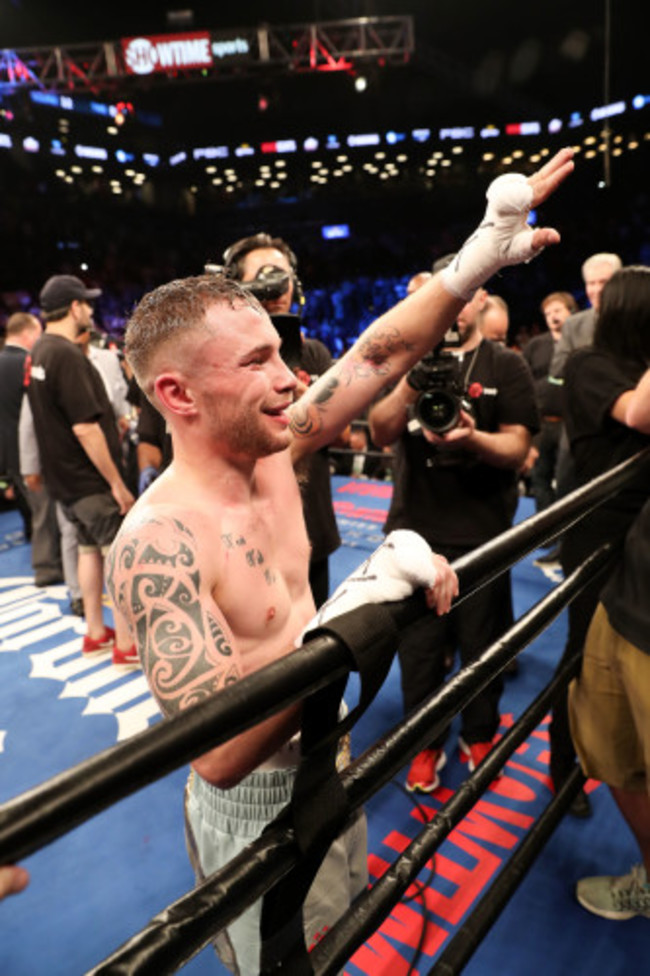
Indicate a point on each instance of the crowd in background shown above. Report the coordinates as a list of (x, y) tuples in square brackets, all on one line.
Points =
[(127, 246)]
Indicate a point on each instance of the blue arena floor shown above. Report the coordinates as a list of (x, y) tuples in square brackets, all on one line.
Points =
[(99, 884)]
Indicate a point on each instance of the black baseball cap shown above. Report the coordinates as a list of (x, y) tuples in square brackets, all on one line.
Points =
[(60, 290)]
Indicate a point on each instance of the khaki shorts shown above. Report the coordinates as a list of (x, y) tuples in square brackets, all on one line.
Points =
[(609, 709)]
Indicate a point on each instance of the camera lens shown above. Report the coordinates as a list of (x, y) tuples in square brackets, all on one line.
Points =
[(438, 411)]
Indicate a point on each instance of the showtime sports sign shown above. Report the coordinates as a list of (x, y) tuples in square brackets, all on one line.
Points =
[(167, 52)]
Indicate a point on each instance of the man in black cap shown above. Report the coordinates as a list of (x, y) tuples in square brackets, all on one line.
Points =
[(79, 448)]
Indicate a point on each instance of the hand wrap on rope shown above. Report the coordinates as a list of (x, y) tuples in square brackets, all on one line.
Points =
[(503, 237), (401, 564)]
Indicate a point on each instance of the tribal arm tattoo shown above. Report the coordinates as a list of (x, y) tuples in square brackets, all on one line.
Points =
[(154, 581)]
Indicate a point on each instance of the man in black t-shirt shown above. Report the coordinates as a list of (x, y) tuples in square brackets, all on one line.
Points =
[(80, 451), (459, 490)]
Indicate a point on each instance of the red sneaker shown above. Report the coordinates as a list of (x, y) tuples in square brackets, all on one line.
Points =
[(475, 753), (91, 647), (423, 774), (126, 659)]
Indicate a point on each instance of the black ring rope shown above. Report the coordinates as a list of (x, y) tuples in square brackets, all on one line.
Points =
[(372, 907), (38, 816), (162, 948)]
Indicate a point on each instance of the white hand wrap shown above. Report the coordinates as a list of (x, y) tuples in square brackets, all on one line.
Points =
[(399, 566), (503, 237)]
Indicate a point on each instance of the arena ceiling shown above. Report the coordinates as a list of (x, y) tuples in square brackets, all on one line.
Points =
[(474, 62)]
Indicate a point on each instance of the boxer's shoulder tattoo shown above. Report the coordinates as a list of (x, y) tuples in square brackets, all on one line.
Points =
[(155, 581)]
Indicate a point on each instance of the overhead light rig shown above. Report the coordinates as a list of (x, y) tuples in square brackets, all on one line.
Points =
[(209, 55)]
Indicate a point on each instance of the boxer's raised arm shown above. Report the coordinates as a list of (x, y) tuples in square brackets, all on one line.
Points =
[(400, 337)]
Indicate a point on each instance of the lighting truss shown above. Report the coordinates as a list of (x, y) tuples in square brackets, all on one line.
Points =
[(330, 46)]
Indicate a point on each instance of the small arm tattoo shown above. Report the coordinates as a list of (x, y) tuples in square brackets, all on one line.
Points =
[(230, 542), (371, 357), (385, 342), (154, 580)]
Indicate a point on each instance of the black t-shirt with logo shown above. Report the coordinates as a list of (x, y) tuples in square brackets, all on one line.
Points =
[(452, 498), (66, 389)]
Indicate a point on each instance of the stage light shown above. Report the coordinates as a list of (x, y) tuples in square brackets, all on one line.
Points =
[(360, 83)]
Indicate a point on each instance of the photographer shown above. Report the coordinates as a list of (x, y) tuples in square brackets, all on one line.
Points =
[(462, 422)]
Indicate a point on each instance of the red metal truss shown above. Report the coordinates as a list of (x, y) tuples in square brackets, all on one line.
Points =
[(328, 46)]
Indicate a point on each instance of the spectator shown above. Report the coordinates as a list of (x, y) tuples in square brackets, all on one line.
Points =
[(79, 450), (538, 353), (577, 332), (23, 330), (54, 540), (610, 711), (600, 382)]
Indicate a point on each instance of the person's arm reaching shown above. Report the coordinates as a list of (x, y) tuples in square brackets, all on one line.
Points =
[(403, 563), (400, 337)]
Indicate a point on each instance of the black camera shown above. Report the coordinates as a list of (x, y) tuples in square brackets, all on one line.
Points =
[(438, 379), (269, 283)]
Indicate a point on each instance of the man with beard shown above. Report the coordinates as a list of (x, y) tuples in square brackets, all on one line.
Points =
[(457, 487), (80, 451)]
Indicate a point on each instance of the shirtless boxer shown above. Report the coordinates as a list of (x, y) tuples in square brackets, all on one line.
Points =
[(210, 568)]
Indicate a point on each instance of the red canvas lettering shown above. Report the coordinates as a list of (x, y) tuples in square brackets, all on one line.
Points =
[(378, 957)]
